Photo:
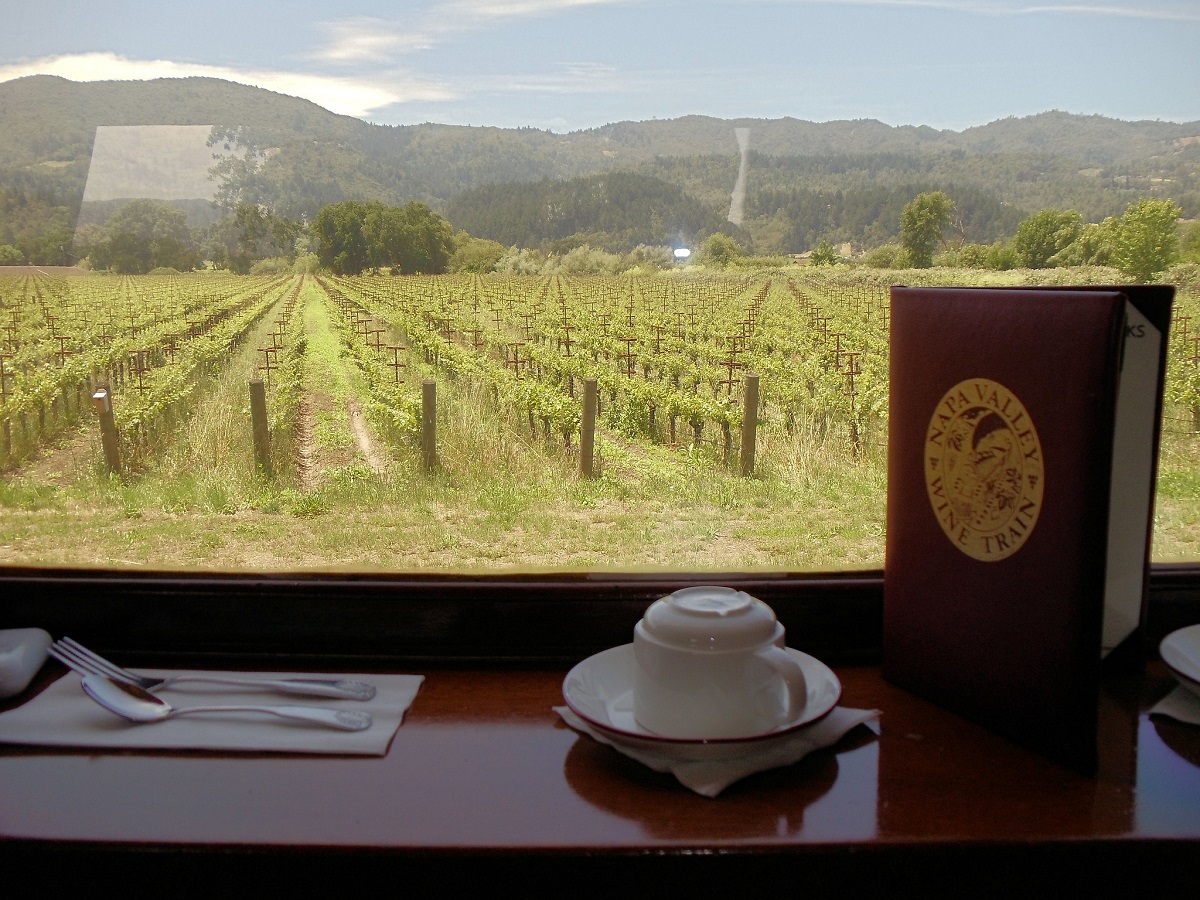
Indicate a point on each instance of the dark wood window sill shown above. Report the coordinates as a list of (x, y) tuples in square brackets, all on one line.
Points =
[(483, 782), (484, 785)]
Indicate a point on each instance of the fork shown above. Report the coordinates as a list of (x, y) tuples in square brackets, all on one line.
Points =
[(75, 656)]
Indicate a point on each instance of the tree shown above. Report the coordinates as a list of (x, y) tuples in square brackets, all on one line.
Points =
[(250, 235), (523, 261), (87, 237), (239, 172), (339, 232), (144, 235), (1189, 244), (353, 236), (824, 255), (1002, 257), (887, 256), (586, 260), (972, 256), (1045, 234), (646, 256), (51, 246), (1093, 247), (922, 224), (720, 250), (426, 241), (477, 255), (998, 256), (11, 256), (1147, 238)]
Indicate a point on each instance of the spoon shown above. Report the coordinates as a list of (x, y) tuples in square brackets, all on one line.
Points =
[(139, 705)]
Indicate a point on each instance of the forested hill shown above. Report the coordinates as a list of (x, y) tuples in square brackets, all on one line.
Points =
[(45, 118), (1091, 140), (798, 169), (613, 211)]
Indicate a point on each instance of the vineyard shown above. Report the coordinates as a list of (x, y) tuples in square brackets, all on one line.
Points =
[(441, 422)]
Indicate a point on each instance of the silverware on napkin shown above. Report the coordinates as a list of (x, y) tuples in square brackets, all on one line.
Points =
[(75, 656)]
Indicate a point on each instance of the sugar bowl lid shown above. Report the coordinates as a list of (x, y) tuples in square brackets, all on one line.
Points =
[(710, 617)]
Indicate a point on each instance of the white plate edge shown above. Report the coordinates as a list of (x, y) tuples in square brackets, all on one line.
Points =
[(1187, 675), (659, 741)]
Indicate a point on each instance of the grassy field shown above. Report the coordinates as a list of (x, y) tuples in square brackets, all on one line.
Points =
[(504, 499)]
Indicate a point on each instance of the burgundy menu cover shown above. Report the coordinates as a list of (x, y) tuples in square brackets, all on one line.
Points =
[(1023, 423)]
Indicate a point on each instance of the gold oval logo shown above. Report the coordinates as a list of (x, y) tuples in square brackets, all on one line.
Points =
[(984, 469)]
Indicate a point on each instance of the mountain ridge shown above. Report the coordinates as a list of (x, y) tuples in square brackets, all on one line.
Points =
[(208, 101), (1011, 166)]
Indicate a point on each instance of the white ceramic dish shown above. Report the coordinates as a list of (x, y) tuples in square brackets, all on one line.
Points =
[(600, 691), (22, 652), (1180, 650)]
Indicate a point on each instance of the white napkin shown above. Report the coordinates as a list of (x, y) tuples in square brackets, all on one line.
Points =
[(64, 716), (709, 777), (1181, 704)]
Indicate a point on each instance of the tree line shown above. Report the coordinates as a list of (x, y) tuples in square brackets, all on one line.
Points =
[(1141, 243), (350, 236), (346, 238), (614, 212)]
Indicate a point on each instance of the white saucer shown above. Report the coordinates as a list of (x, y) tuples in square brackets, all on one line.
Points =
[(1180, 650), (600, 691)]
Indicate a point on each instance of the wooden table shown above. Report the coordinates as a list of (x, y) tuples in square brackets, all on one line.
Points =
[(484, 783)]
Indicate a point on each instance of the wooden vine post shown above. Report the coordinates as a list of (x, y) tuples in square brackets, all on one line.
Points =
[(1195, 361), (108, 430), (749, 423), (587, 428), (5, 375), (429, 424), (262, 429)]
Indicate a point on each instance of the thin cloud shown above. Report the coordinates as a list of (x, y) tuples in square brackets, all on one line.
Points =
[(365, 39), (511, 9), (371, 39), (345, 95), (1162, 10), (575, 78)]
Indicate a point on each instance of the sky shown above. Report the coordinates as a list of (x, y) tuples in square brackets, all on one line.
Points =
[(565, 65)]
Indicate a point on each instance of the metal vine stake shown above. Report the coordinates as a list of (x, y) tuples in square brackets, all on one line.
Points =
[(516, 362), (736, 345), (837, 351), (853, 368), (396, 364), (139, 364), (476, 335), (63, 352), (271, 361), (12, 342), (171, 346), (566, 342), (628, 357)]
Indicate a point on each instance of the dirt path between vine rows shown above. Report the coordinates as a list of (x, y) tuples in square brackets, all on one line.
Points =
[(363, 439), (313, 458), (305, 445), (68, 457)]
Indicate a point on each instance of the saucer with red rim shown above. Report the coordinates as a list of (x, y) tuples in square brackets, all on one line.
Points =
[(600, 691)]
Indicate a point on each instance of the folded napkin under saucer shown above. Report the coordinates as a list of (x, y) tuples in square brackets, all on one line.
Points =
[(1182, 704), (709, 777), (64, 716)]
